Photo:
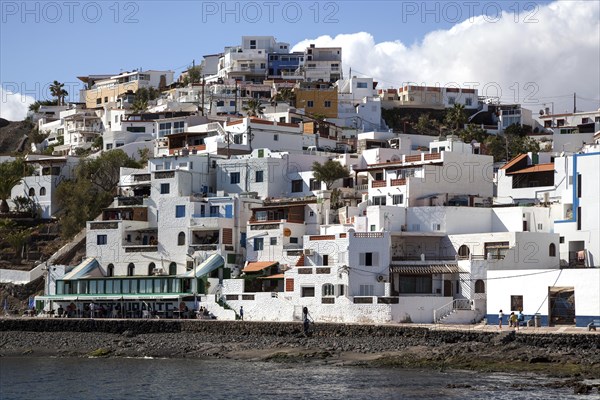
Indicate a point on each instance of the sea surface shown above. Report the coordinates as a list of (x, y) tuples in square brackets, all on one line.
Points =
[(137, 379)]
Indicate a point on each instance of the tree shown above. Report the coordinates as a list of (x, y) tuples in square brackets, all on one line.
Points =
[(329, 172), (92, 189), (473, 132), (194, 74), (455, 117), (57, 90), (285, 95), (11, 173), (253, 108), (17, 240)]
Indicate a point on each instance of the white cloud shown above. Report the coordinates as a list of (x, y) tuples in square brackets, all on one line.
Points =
[(14, 106), (529, 62)]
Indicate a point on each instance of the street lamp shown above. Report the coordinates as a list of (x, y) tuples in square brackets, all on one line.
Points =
[(47, 274), (195, 279)]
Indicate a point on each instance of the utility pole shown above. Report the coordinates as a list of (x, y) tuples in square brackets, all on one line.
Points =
[(235, 94), (203, 95), (574, 102)]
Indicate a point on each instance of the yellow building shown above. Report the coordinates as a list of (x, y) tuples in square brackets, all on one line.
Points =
[(100, 92), (316, 101)]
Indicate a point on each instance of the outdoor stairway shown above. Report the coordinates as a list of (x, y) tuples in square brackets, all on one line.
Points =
[(458, 311)]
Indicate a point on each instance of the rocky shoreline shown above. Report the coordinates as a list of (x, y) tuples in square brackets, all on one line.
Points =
[(572, 358)]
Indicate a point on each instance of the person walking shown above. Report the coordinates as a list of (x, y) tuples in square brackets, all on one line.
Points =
[(242, 313), (305, 320), (500, 316)]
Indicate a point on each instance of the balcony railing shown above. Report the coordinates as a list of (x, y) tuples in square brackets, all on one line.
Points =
[(104, 225), (397, 182), (376, 184), (212, 215), (426, 258), (368, 235), (205, 247)]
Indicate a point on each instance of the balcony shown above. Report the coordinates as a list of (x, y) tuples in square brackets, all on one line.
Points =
[(377, 184), (205, 247), (104, 225), (397, 182), (141, 178), (427, 257)]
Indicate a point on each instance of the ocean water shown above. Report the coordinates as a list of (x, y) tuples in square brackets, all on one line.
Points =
[(137, 379)]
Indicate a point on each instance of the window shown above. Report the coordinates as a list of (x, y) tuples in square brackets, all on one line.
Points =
[(258, 244), (327, 104), (151, 267), (516, 303), (540, 227), (42, 191), (463, 251), (436, 227), (234, 178), (451, 100), (365, 290), (165, 188), (496, 250), (368, 259), (181, 239), (325, 259), (315, 184), (361, 85), (297, 185), (479, 286), (561, 239), (101, 240), (179, 211), (415, 284), (341, 290), (131, 270), (327, 290), (398, 199), (552, 250), (258, 176), (178, 127), (138, 129), (294, 240), (373, 228), (378, 201), (110, 270), (31, 192), (308, 291), (273, 241), (164, 128), (310, 104), (173, 268), (275, 137), (468, 101)]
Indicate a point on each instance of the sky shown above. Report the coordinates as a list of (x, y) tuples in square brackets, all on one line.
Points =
[(537, 54)]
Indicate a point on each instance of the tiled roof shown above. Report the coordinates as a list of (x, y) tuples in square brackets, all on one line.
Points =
[(514, 161), (426, 269), (534, 168), (258, 266)]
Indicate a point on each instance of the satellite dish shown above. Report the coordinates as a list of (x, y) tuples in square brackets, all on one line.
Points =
[(541, 112), (395, 158)]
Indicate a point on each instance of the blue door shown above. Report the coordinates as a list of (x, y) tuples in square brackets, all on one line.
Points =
[(229, 211)]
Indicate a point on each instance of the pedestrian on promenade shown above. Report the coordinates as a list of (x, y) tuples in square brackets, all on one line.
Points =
[(242, 313), (92, 307), (500, 316), (305, 320)]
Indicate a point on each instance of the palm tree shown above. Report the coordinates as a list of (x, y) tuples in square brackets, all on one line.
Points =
[(455, 116), (286, 95), (253, 108), (56, 89)]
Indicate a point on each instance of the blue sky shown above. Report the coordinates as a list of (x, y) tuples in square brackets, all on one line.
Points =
[(44, 41)]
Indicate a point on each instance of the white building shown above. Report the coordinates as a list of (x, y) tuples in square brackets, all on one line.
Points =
[(41, 186)]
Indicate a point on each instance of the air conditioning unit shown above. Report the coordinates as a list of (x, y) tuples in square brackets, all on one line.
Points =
[(381, 278), (308, 252)]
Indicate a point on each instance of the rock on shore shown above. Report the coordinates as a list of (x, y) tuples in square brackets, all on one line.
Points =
[(560, 355)]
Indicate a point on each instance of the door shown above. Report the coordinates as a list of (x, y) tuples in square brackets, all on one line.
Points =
[(447, 287), (229, 211), (561, 304)]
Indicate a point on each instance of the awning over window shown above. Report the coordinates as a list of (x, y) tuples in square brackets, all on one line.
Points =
[(88, 268), (427, 269), (258, 266), (276, 276), (210, 264)]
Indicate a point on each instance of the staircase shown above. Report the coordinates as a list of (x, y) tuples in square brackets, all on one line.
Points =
[(458, 311)]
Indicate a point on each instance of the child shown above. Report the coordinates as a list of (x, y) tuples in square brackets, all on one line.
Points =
[(500, 316)]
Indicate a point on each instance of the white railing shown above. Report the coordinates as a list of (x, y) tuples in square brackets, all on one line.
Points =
[(456, 304)]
